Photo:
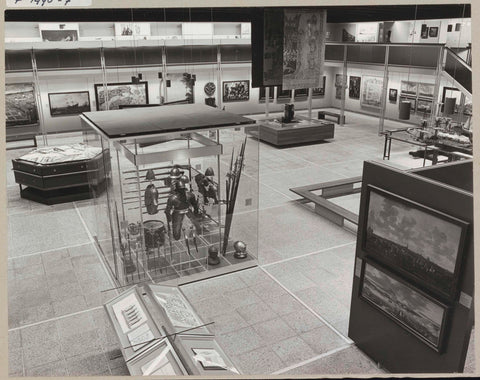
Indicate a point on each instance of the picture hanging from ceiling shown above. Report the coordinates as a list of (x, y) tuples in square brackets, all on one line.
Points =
[(449, 27), (320, 91), (372, 91), (58, 32), (392, 95), (367, 32), (181, 87), (272, 47), (426, 90), (236, 91), (433, 31), (347, 37), (354, 87), (408, 88), (303, 48), (69, 103), (457, 27), (20, 104), (209, 88), (283, 94), (120, 94)]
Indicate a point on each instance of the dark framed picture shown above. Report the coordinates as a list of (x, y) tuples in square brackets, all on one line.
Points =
[(411, 100), (354, 87), (451, 92), (263, 92), (69, 103), (60, 35), (433, 31), (422, 244), (424, 31), (415, 311), (236, 91), (320, 91), (121, 94), (392, 95), (408, 88), (20, 104), (424, 105), (449, 27), (426, 90), (283, 94), (301, 93), (457, 27)]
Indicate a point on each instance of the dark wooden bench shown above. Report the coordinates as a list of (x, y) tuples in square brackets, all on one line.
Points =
[(322, 114), (332, 189)]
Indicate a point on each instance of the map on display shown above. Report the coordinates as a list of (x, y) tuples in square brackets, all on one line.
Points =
[(179, 312)]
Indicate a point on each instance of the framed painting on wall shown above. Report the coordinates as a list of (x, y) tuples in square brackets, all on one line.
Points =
[(137, 29), (412, 309), (69, 103), (367, 32), (121, 94), (392, 95), (58, 32), (424, 105), (300, 93), (424, 32), (421, 244), (20, 104), (354, 87), (433, 32), (236, 91), (426, 90), (263, 93), (320, 91), (408, 88), (283, 94), (372, 91)]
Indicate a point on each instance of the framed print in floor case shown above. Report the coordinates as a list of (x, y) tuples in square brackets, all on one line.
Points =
[(236, 91), (419, 243), (409, 307), (69, 103), (121, 94)]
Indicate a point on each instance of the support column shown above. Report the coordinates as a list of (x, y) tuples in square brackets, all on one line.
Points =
[(436, 90), (381, 121), (164, 73), (36, 82), (104, 77), (344, 86), (310, 91), (267, 100), (219, 78)]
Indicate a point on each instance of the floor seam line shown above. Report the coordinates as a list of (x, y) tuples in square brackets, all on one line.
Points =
[(347, 340), (50, 250), (311, 360)]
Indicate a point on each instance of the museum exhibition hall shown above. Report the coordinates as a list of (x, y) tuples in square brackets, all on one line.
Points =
[(239, 191)]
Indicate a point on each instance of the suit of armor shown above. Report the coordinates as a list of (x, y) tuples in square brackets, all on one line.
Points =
[(207, 188), (180, 204)]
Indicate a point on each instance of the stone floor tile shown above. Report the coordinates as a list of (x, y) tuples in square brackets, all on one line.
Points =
[(38, 313), (58, 368), (80, 322), (254, 276), (43, 332), (15, 362), (293, 350), (87, 365), (211, 307), (80, 343), (273, 330), (240, 341), (228, 322), (256, 312), (268, 290), (39, 354), (284, 304), (120, 371), (65, 291), (14, 340), (241, 297), (261, 361), (69, 305), (323, 339), (302, 321)]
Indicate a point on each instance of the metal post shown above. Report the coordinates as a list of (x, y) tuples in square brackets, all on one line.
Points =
[(381, 121), (344, 86), (310, 91), (436, 90), (36, 82), (267, 100), (164, 72), (219, 77), (104, 78)]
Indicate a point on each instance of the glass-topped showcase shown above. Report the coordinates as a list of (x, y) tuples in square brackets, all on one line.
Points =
[(181, 199)]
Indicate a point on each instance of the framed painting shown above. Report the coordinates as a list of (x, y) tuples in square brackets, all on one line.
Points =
[(69, 103), (422, 244), (120, 94), (283, 94), (415, 311), (263, 92), (433, 32), (301, 93), (452, 92), (411, 100), (424, 105), (20, 104), (137, 29), (367, 32), (408, 88), (372, 91), (320, 91), (354, 87), (236, 91), (392, 95), (58, 32), (426, 90), (424, 31)]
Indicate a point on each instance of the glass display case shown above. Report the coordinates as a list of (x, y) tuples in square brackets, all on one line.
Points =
[(181, 199)]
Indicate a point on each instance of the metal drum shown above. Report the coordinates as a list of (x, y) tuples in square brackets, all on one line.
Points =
[(154, 232)]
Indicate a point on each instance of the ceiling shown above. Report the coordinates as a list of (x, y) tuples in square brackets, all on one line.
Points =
[(335, 14)]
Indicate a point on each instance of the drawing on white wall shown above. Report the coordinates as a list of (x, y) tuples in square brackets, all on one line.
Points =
[(433, 31), (58, 32), (138, 29), (372, 91), (367, 32)]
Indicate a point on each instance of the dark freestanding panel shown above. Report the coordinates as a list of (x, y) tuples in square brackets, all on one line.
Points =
[(380, 337)]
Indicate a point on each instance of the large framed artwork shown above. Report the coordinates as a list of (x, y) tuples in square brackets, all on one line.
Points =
[(392, 95), (69, 103), (354, 87), (301, 93), (263, 93), (426, 90), (121, 94), (283, 94), (420, 243), (408, 88), (58, 32), (339, 86), (411, 100), (137, 29), (236, 91), (424, 105), (320, 91), (372, 91), (412, 309), (20, 104), (367, 32)]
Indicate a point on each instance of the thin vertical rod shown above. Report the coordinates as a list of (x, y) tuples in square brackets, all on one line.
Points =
[(344, 86), (310, 91), (436, 89), (104, 78), (381, 121), (219, 77), (219, 195), (267, 100), (36, 90)]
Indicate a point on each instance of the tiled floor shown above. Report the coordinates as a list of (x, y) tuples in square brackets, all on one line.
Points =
[(287, 316)]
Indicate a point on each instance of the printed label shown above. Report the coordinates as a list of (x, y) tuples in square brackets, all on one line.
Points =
[(465, 300), (48, 3)]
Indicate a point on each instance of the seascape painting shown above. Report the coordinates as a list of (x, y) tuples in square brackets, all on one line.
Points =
[(121, 94), (419, 242), (20, 104), (69, 103)]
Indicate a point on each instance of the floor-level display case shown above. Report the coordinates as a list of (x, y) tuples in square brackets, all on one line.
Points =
[(181, 199)]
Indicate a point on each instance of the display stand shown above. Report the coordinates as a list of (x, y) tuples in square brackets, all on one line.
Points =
[(412, 308)]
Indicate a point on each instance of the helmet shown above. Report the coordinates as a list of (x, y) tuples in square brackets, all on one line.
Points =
[(213, 250), (175, 173), (239, 246), (184, 179), (209, 172), (179, 185), (150, 176)]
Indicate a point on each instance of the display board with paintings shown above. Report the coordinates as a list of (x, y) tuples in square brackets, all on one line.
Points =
[(236, 91), (125, 93), (20, 104), (422, 244), (420, 95), (69, 103), (372, 91)]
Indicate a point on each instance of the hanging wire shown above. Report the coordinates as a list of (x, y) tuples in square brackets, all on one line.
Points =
[(411, 46), (134, 46)]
